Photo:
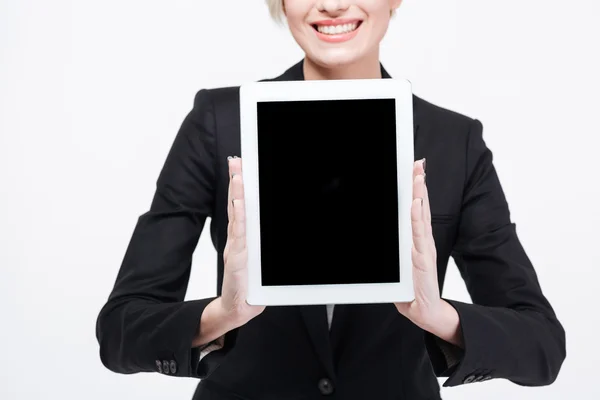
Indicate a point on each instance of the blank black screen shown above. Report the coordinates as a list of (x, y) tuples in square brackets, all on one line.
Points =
[(328, 192)]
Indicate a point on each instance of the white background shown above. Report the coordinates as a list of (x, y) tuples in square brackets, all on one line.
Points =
[(93, 92)]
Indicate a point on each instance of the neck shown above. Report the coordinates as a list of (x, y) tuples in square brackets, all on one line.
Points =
[(367, 68)]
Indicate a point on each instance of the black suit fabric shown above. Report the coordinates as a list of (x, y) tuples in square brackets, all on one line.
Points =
[(372, 352)]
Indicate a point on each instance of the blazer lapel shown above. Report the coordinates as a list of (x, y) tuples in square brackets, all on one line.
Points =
[(293, 73), (315, 316), (315, 319)]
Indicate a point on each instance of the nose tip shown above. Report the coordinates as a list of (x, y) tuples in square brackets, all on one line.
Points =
[(333, 7)]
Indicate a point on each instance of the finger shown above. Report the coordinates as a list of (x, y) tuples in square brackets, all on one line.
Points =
[(237, 234), (418, 187), (237, 184), (235, 169), (418, 167), (426, 209), (239, 227), (418, 227), (230, 215)]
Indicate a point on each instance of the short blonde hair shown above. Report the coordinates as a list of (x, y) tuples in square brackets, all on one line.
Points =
[(276, 9)]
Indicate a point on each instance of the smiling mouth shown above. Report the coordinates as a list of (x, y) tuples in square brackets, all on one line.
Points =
[(337, 29)]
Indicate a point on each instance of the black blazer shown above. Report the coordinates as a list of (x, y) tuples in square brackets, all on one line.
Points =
[(372, 352)]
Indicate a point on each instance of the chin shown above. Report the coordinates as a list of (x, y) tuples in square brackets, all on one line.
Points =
[(334, 58)]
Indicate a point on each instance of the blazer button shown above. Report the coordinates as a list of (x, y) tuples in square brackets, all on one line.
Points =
[(173, 366), (469, 379), (325, 386), (166, 366), (159, 366)]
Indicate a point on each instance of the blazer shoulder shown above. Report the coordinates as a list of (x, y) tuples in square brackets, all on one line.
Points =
[(440, 116), (227, 96)]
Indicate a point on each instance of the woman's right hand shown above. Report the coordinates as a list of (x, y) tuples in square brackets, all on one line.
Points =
[(235, 256)]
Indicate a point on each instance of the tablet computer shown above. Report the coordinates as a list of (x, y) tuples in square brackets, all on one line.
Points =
[(327, 170)]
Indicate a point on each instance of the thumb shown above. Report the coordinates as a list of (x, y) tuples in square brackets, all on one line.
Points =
[(403, 308)]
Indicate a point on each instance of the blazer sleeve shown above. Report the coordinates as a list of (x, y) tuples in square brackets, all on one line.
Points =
[(145, 325), (510, 331)]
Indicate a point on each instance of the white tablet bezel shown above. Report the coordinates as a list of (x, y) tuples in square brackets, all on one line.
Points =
[(250, 95)]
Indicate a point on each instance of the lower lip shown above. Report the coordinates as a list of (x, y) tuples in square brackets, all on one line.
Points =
[(341, 37)]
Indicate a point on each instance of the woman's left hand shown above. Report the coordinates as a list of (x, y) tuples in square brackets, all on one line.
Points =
[(425, 309)]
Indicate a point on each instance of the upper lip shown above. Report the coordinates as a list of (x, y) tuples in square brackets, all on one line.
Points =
[(339, 21)]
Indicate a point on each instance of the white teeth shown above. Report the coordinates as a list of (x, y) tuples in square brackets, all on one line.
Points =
[(337, 29)]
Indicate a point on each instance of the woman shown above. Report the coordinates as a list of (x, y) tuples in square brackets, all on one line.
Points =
[(378, 351)]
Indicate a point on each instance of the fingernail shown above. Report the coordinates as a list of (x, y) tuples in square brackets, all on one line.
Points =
[(229, 158), (235, 157), (424, 177), (424, 164)]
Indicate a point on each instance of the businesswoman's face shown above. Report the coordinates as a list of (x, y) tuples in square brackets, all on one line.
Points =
[(335, 33)]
